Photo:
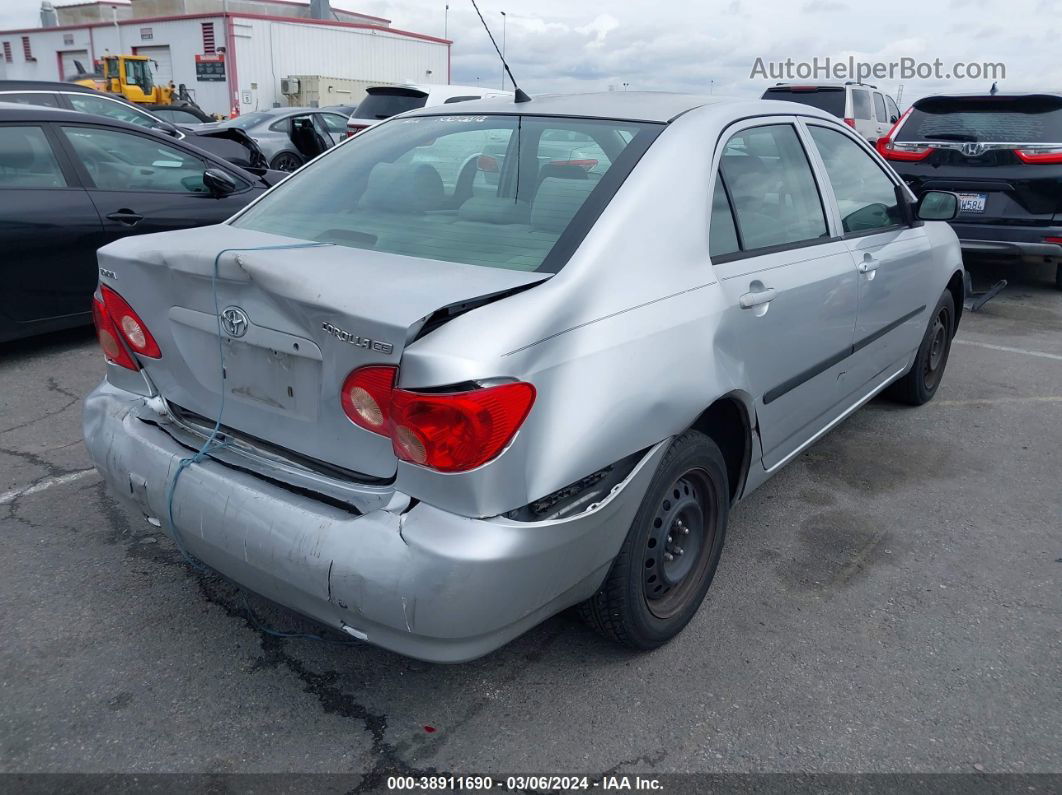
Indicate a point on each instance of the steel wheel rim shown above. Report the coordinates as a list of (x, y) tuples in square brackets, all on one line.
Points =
[(678, 550), (938, 348)]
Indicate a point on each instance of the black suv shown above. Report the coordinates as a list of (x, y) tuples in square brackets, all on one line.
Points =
[(1002, 153)]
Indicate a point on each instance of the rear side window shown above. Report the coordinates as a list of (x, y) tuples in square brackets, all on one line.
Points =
[(894, 112), (1031, 119), (451, 100), (722, 233), (879, 107), (865, 197), (32, 98), (482, 190), (830, 100), (772, 188), (27, 160), (383, 103), (87, 103), (860, 104)]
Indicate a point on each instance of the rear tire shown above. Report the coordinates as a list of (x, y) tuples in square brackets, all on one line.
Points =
[(670, 554), (922, 380), (285, 161)]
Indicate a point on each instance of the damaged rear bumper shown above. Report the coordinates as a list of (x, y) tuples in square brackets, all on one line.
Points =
[(419, 581)]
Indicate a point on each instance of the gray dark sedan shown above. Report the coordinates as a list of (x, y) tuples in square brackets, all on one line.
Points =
[(439, 397), (289, 137)]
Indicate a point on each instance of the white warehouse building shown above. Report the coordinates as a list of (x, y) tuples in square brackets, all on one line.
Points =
[(231, 55)]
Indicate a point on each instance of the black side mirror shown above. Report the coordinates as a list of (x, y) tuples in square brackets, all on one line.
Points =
[(938, 205), (903, 204), (893, 119), (218, 182)]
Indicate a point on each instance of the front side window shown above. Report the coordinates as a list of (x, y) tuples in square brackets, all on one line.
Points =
[(865, 196), (477, 189), (334, 123), (100, 106), (124, 161), (772, 187), (27, 160)]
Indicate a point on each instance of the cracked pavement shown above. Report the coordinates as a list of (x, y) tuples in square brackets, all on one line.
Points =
[(890, 602)]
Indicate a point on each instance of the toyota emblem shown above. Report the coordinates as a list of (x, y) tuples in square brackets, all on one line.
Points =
[(234, 320)]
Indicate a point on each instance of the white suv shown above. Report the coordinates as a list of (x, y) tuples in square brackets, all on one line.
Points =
[(862, 106), (383, 102)]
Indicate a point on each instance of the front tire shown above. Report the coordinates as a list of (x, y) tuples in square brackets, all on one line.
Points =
[(922, 380), (671, 552)]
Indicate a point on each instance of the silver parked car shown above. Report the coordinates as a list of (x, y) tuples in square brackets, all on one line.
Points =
[(289, 137), (432, 412)]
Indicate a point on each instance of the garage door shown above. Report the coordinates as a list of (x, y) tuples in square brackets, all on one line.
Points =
[(68, 58), (164, 73)]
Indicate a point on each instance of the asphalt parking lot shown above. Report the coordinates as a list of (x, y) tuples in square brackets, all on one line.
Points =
[(889, 602)]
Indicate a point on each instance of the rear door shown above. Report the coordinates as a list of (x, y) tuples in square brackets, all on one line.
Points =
[(332, 126), (789, 282), (890, 257), (141, 183), (48, 227)]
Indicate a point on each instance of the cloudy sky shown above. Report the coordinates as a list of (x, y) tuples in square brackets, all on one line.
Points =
[(712, 45)]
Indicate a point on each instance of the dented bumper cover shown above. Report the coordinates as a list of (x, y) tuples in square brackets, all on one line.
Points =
[(419, 581)]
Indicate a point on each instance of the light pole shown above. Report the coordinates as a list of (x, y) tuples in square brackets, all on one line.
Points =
[(503, 19), (446, 21)]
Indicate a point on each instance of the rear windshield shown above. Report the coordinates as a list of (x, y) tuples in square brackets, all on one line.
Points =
[(830, 100), (497, 191), (383, 103), (1036, 119)]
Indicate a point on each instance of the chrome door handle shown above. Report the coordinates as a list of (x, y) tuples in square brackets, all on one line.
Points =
[(759, 298), (869, 265), (126, 217)]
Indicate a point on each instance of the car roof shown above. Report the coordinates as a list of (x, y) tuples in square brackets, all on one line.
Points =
[(44, 85), (658, 106)]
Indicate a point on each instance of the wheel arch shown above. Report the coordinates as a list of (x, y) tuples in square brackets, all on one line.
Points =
[(728, 422)]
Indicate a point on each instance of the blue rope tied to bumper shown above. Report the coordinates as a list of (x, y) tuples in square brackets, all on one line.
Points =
[(212, 444)]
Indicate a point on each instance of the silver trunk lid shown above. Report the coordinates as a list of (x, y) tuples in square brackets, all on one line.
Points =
[(313, 315)]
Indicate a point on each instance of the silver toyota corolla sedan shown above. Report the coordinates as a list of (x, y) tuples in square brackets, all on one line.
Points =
[(430, 399)]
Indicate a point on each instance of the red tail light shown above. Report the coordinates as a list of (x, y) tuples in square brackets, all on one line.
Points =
[(367, 397), (107, 334), (891, 150), (354, 129), (850, 123), (130, 325), (1055, 240), (448, 432), (1040, 155), (487, 163)]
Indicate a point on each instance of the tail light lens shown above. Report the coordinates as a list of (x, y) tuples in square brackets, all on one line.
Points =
[(1040, 155), (447, 432), (354, 129), (586, 165), (107, 334), (366, 397), (1056, 240), (487, 163), (130, 325), (850, 122), (891, 150)]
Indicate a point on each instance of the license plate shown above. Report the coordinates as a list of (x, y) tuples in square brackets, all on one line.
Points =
[(972, 202)]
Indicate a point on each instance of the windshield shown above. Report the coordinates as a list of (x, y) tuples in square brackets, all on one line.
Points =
[(138, 73), (830, 100), (497, 191), (1029, 119), (383, 103)]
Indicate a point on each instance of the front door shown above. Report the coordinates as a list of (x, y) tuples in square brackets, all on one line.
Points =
[(790, 284), (890, 257)]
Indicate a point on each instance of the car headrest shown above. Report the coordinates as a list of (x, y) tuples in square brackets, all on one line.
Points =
[(16, 151), (557, 201), (403, 188), (494, 210)]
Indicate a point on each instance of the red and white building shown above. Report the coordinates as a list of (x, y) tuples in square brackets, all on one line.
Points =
[(228, 53)]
